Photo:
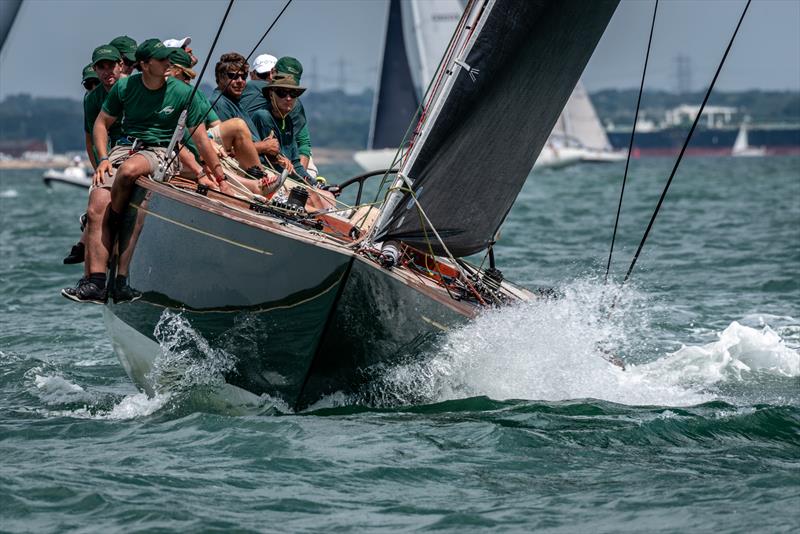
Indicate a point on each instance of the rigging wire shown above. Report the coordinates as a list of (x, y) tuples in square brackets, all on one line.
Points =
[(630, 144), (208, 58), (197, 85), (685, 144)]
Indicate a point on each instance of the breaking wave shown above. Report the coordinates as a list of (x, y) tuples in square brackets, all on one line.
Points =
[(559, 349)]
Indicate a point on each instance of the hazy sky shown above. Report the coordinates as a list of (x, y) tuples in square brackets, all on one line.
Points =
[(53, 39)]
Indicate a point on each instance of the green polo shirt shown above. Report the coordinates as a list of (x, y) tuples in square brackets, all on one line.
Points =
[(253, 99), (92, 104), (152, 116), (228, 108), (210, 118)]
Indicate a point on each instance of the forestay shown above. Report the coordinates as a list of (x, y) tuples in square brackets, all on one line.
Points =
[(514, 69)]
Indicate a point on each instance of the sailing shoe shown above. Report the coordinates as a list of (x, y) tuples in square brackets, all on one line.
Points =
[(123, 292), (86, 291), (76, 254)]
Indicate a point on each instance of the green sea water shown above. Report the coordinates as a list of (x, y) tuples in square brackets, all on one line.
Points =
[(515, 423)]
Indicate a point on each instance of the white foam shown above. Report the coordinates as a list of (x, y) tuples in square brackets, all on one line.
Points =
[(9, 193), (739, 351), (552, 350), (133, 406), (55, 389)]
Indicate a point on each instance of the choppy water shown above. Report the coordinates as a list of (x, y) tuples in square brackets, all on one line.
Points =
[(516, 424)]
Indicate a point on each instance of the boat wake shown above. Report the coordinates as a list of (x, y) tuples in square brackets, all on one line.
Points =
[(558, 349)]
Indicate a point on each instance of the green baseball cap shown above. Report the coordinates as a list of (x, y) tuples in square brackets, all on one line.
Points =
[(105, 53), (126, 47), (152, 48), (89, 74), (180, 57), (289, 65)]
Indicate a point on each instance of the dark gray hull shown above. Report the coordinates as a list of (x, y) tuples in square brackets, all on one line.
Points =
[(300, 317)]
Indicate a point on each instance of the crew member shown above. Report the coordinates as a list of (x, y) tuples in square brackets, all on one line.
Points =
[(151, 103)]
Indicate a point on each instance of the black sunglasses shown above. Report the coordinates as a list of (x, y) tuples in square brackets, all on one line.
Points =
[(236, 75), (280, 92), (90, 84)]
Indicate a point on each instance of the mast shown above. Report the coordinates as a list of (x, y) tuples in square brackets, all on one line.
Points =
[(512, 68)]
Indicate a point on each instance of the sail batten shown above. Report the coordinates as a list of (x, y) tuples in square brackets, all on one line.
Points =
[(505, 90)]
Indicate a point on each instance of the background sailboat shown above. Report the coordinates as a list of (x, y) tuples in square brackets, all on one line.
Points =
[(417, 34), (742, 148)]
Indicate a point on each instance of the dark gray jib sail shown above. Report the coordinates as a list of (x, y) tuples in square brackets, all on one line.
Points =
[(504, 89), (396, 100), (8, 12)]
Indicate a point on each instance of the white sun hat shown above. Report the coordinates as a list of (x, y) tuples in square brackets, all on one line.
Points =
[(264, 63), (177, 43)]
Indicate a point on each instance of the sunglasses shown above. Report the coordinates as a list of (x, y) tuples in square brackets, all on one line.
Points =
[(90, 84), (236, 75), (280, 92)]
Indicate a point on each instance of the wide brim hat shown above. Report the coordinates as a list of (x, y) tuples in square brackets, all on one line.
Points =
[(284, 80)]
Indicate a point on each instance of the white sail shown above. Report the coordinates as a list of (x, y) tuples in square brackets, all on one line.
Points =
[(741, 146), (427, 28), (741, 142), (579, 122)]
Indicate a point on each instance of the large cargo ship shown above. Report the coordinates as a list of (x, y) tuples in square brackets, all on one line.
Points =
[(715, 135), (707, 141)]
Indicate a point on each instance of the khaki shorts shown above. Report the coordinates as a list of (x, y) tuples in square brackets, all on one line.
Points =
[(154, 156), (215, 135)]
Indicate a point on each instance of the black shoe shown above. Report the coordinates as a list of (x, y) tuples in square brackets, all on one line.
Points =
[(76, 255), (122, 292), (255, 172), (86, 291)]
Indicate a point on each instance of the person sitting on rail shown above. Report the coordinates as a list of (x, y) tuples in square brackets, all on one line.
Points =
[(183, 44), (231, 73), (254, 99), (107, 65), (233, 134), (261, 74), (90, 79), (275, 120), (127, 49), (151, 103)]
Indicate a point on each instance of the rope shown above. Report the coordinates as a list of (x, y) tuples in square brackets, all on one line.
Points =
[(630, 144), (197, 85), (203, 120), (685, 144)]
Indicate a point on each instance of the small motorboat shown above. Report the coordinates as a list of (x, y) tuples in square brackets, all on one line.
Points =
[(76, 175)]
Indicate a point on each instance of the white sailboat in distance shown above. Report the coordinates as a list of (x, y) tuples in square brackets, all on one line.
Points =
[(741, 146), (416, 37)]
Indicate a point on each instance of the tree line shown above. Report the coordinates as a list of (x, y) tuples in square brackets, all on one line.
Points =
[(341, 120)]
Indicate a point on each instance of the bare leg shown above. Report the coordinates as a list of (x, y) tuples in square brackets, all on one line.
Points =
[(126, 176), (98, 242), (236, 137)]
